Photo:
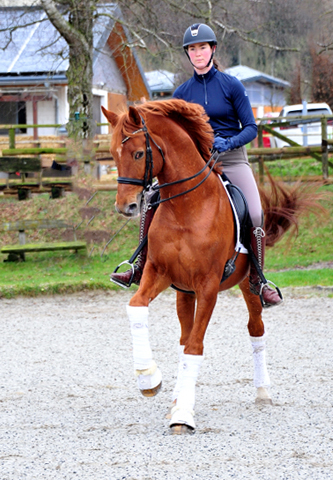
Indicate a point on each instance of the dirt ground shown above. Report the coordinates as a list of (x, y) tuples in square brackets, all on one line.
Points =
[(70, 409)]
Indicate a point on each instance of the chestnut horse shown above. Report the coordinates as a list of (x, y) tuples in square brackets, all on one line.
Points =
[(191, 238)]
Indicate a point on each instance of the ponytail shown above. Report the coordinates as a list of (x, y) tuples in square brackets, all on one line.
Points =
[(216, 64)]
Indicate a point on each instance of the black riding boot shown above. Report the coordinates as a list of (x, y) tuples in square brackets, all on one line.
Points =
[(269, 296), (134, 274)]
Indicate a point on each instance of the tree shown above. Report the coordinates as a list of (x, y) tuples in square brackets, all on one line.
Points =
[(270, 36), (322, 80), (77, 30)]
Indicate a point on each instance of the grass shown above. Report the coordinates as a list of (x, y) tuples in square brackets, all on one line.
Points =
[(295, 168), (57, 273), (54, 272)]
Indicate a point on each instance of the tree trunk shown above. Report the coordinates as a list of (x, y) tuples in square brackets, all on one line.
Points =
[(78, 33), (80, 71)]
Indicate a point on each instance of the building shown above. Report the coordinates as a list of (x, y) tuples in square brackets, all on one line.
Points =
[(161, 83), (33, 82), (266, 93)]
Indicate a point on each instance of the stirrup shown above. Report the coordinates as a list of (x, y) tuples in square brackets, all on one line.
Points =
[(123, 285), (263, 285)]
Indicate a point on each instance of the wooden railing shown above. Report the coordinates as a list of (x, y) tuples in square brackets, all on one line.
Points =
[(258, 154), (319, 153)]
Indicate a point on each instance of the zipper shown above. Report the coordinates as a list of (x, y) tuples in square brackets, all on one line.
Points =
[(204, 82)]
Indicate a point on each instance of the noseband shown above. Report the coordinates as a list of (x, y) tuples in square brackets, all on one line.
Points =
[(148, 177)]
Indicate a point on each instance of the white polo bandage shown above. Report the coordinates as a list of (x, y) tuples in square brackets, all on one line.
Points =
[(179, 373), (190, 365), (142, 354), (261, 377)]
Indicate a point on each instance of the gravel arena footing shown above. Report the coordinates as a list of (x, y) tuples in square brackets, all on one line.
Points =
[(70, 408)]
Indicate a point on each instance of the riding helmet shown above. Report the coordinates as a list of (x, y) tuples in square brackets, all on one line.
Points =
[(199, 33)]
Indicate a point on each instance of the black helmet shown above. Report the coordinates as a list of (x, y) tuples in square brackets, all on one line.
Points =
[(199, 33)]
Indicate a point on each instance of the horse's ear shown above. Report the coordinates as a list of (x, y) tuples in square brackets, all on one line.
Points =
[(111, 116), (134, 116)]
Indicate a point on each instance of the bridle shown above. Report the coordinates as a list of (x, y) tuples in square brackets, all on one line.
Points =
[(147, 181)]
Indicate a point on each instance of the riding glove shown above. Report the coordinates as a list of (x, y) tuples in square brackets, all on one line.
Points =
[(223, 144)]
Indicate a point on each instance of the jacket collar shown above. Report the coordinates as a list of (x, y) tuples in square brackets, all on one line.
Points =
[(206, 76)]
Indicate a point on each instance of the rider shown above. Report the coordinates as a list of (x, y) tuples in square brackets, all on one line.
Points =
[(225, 101)]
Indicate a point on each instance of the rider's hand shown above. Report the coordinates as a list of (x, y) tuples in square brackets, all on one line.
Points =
[(223, 144)]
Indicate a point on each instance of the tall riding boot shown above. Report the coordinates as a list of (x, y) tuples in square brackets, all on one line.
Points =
[(134, 274), (269, 297)]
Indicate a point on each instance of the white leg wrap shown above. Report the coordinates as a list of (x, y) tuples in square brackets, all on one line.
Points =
[(182, 413), (190, 365), (150, 378), (261, 377), (142, 353), (176, 390)]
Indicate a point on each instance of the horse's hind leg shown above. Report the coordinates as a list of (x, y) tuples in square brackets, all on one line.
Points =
[(257, 337)]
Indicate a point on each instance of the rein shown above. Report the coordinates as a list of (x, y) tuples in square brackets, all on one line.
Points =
[(148, 177)]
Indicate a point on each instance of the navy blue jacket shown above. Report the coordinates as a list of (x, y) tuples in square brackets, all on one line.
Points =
[(225, 101)]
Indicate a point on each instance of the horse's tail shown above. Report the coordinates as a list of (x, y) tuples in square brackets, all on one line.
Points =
[(283, 205)]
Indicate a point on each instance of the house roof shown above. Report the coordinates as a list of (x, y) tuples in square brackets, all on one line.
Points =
[(161, 81), (247, 74), (38, 50)]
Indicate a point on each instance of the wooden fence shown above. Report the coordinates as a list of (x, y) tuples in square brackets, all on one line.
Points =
[(258, 155), (319, 153)]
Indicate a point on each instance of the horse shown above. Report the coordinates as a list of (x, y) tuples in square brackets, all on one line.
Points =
[(190, 240)]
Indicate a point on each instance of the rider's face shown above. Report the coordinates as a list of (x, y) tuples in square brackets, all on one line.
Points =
[(200, 54)]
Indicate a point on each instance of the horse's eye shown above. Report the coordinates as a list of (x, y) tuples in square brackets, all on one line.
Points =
[(138, 155)]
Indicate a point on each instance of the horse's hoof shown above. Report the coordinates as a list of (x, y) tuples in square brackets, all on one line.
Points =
[(181, 430), (263, 397), (182, 421), (263, 401), (151, 392), (149, 381)]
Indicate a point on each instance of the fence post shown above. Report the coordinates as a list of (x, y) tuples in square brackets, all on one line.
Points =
[(260, 158), (324, 155), (11, 135)]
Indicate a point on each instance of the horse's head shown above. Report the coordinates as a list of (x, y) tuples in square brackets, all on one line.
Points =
[(128, 148)]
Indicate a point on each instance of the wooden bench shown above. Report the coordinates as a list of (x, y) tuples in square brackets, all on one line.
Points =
[(47, 180), (22, 247)]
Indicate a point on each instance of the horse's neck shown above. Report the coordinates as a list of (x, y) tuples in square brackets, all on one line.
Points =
[(182, 159)]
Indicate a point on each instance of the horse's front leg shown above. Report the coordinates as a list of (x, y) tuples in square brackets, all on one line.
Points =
[(256, 330), (148, 375), (182, 413)]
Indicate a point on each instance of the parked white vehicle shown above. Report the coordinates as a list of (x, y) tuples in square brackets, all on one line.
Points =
[(307, 133)]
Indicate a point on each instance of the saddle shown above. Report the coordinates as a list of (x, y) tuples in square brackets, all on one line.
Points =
[(242, 222), (240, 210)]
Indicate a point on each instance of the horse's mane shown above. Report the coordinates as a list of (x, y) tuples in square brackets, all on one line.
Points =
[(191, 117)]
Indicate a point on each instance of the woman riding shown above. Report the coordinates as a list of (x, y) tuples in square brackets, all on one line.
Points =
[(226, 103)]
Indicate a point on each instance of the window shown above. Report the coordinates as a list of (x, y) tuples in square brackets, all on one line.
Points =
[(12, 113)]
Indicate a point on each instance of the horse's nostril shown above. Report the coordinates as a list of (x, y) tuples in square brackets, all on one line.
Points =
[(132, 207)]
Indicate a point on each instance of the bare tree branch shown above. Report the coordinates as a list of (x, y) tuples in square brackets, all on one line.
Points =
[(254, 41), (70, 34)]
